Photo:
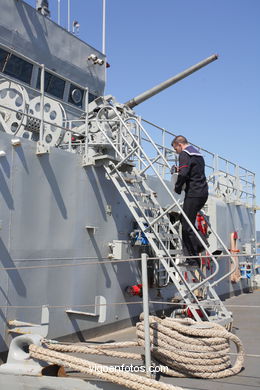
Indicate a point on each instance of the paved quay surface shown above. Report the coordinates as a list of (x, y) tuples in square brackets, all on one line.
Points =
[(246, 314)]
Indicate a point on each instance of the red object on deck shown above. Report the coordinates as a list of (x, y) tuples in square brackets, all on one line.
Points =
[(190, 315), (135, 290)]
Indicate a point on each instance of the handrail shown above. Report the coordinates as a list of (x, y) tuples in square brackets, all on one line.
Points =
[(245, 176), (228, 254), (109, 107), (160, 155), (167, 252)]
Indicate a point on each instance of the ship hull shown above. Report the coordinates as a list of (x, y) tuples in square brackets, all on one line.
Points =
[(58, 221)]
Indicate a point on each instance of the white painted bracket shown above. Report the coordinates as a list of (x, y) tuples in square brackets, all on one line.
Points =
[(21, 327), (99, 312), (42, 148), (87, 161), (91, 229), (16, 142)]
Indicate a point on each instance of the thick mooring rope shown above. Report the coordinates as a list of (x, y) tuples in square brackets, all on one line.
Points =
[(184, 347), (127, 379), (192, 349)]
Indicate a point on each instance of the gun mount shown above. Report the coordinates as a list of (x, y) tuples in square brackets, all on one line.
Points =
[(108, 119), (100, 126)]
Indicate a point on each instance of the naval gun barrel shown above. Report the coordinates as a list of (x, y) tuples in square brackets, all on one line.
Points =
[(160, 87)]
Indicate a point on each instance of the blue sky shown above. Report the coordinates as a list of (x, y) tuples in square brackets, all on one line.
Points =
[(149, 41)]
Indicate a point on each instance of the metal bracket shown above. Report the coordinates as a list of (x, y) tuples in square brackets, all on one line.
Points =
[(87, 161), (16, 142), (30, 328), (100, 309), (42, 148), (91, 229)]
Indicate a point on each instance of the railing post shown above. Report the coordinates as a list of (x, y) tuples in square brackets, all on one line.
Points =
[(246, 185), (42, 146), (42, 104), (215, 161), (139, 141), (163, 152), (86, 123), (237, 180), (146, 315), (70, 138)]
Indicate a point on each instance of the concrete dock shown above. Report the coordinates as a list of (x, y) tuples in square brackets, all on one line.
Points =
[(246, 314)]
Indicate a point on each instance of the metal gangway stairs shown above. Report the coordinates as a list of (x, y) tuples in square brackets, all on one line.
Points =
[(154, 220)]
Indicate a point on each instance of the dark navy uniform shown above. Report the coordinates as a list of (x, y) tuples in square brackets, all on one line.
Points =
[(192, 174)]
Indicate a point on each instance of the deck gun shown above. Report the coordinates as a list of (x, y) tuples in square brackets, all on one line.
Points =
[(98, 127), (106, 115)]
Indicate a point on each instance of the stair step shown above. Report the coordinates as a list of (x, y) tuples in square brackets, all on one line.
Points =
[(150, 235), (171, 269), (175, 251), (164, 224), (133, 179), (145, 206), (212, 302), (141, 194), (132, 175), (186, 268), (161, 252), (161, 270), (168, 236)]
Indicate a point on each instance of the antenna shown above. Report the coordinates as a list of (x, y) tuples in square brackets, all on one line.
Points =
[(59, 12), (104, 28), (69, 15)]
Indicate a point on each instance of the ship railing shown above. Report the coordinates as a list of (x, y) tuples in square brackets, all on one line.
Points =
[(127, 137), (226, 179), (28, 91)]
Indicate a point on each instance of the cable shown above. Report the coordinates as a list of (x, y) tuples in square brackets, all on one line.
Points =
[(101, 262)]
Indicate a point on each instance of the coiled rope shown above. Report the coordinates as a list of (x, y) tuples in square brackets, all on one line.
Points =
[(184, 347), (192, 349)]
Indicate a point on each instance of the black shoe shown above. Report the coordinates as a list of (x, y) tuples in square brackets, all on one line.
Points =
[(217, 252), (191, 263)]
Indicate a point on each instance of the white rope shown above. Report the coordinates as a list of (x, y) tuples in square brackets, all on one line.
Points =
[(170, 339), (117, 304), (132, 381), (182, 347), (102, 262)]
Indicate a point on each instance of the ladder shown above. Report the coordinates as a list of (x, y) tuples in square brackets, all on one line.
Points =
[(154, 222)]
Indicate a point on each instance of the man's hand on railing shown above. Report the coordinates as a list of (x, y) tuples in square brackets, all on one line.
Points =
[(174, 169)]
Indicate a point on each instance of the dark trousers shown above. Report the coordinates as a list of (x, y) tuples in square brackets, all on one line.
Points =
[(191, 244)]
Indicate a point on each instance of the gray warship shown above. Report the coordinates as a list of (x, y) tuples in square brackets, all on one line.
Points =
[(86, 189)]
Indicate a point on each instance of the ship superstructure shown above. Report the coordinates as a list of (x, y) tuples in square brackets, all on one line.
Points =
[(84, 184)]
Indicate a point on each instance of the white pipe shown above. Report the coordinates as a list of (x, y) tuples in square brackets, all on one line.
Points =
[(58, 12), (146, 315)]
